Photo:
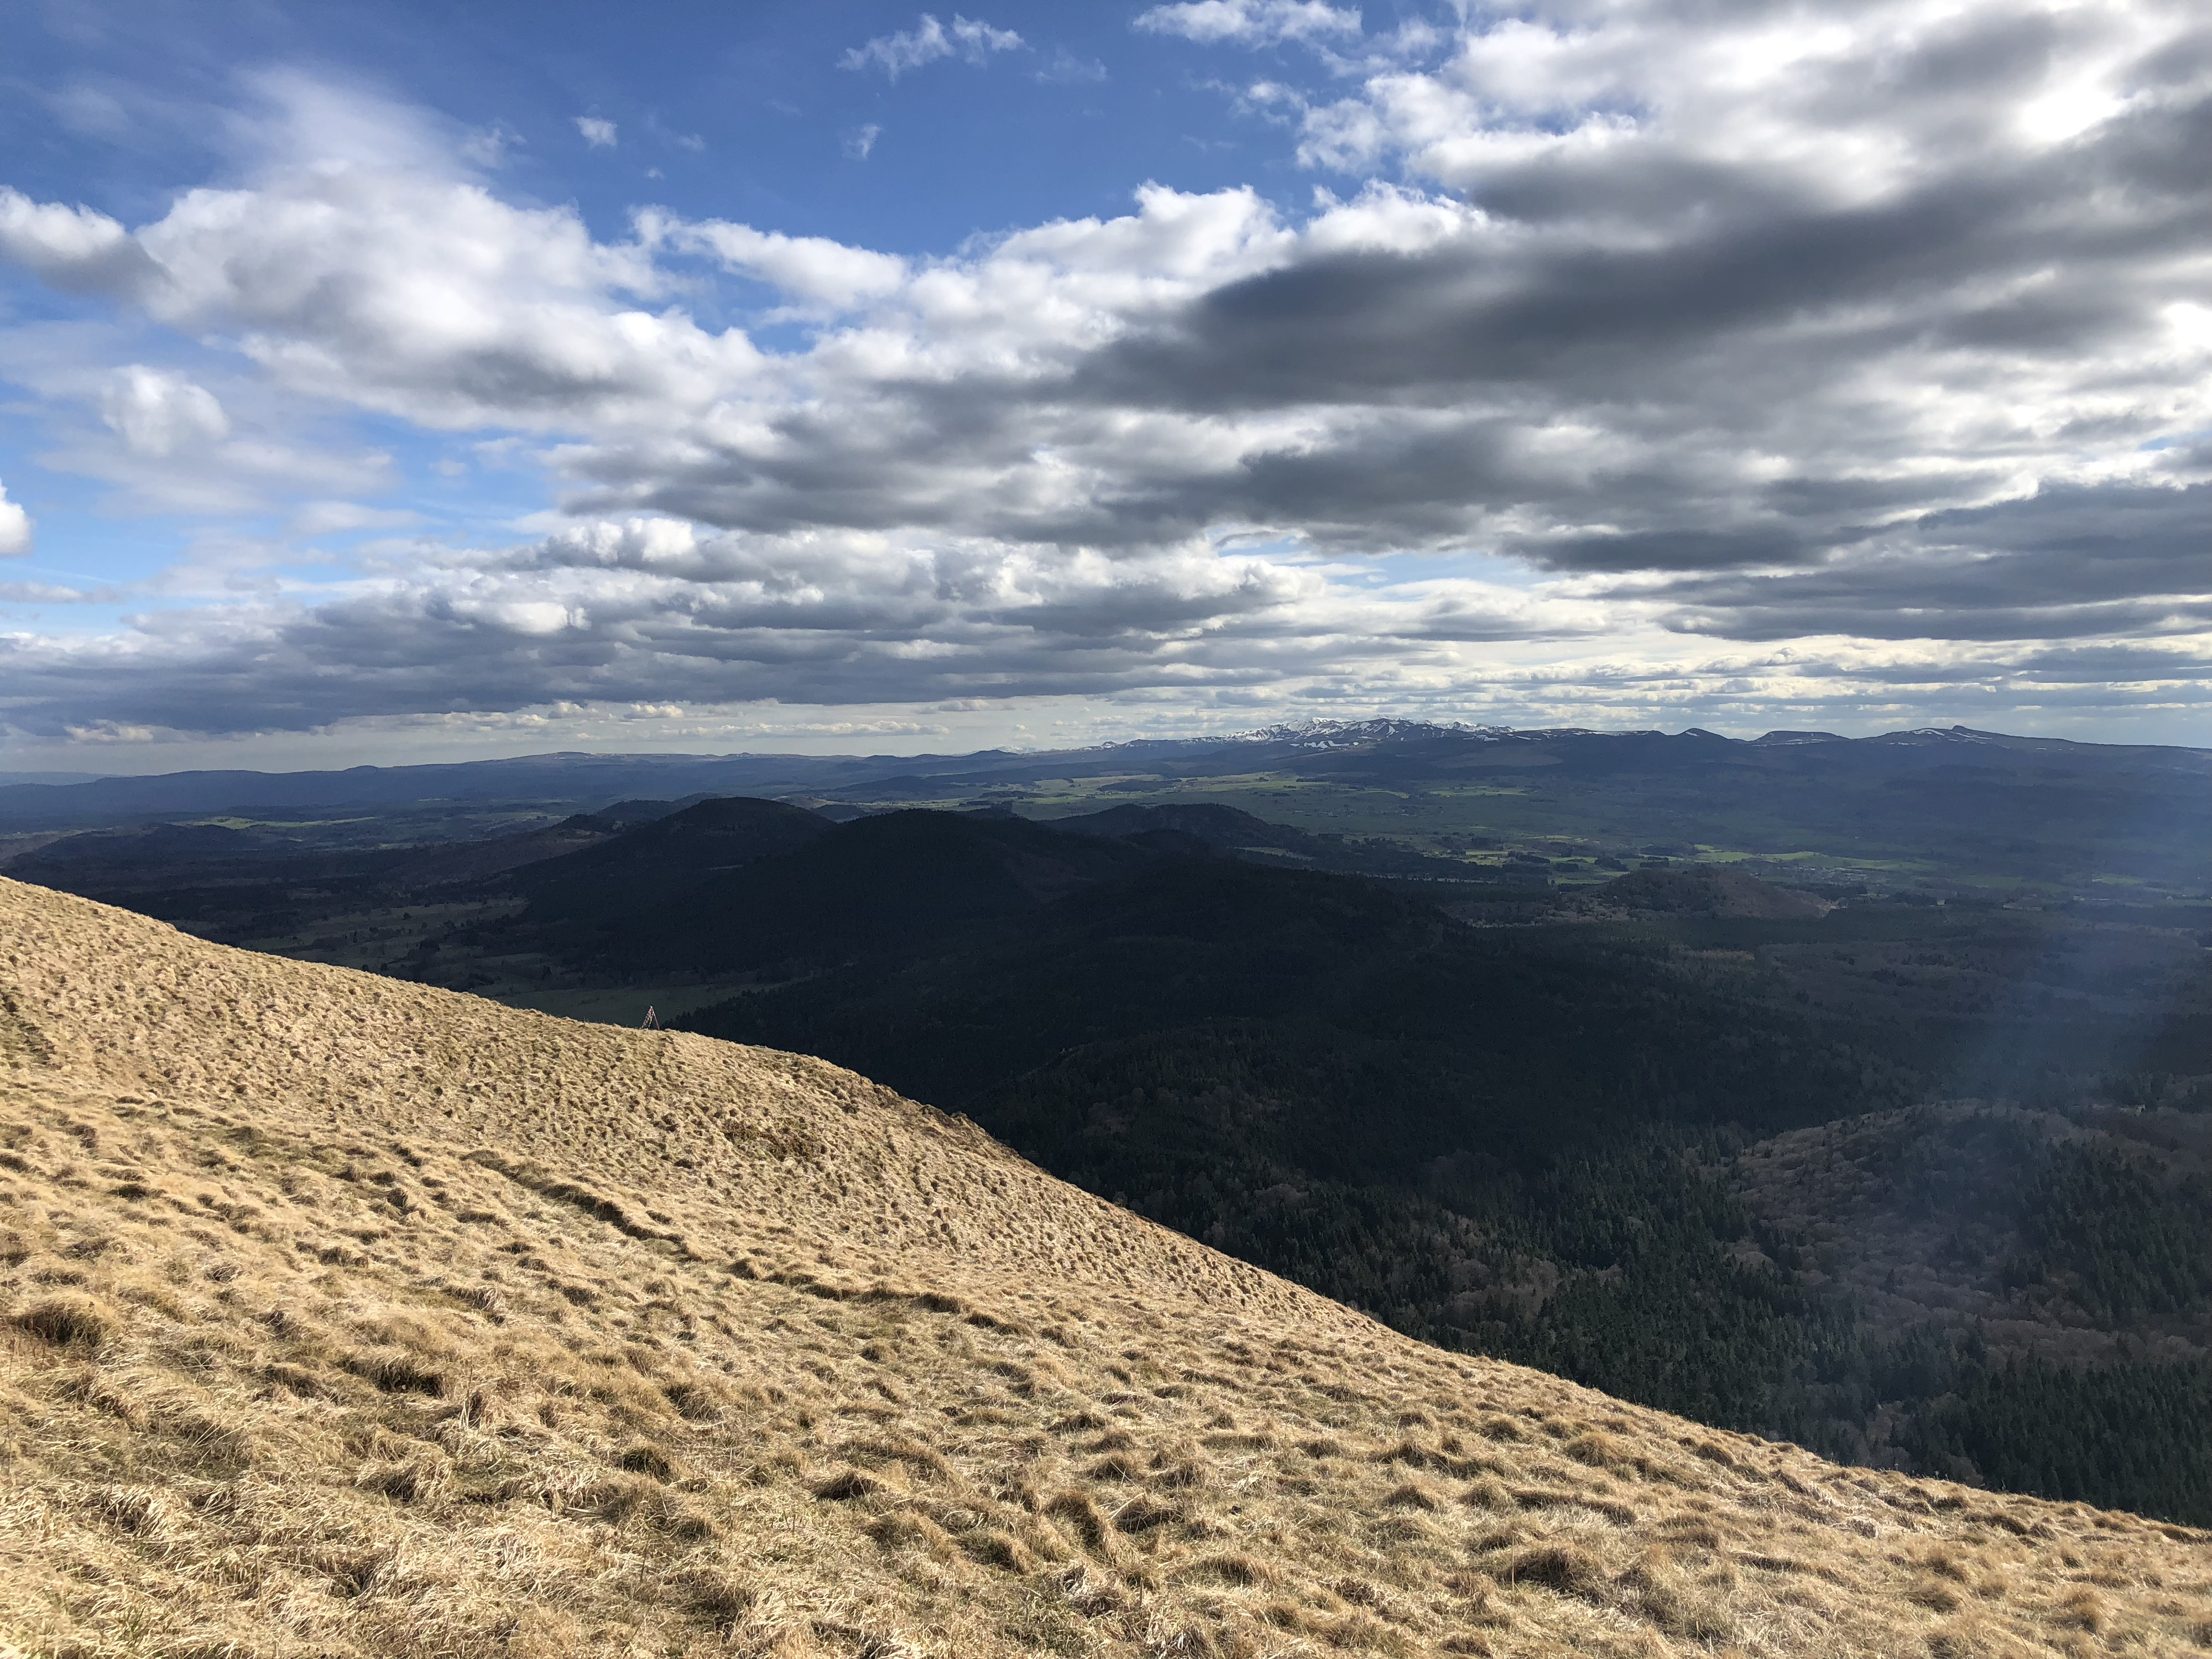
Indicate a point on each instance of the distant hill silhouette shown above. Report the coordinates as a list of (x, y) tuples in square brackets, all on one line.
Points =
[(876, 886), (157, 845), (657, 856), (186, 872)]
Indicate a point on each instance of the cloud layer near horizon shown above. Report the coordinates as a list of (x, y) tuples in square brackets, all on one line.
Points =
[(1679, 359)]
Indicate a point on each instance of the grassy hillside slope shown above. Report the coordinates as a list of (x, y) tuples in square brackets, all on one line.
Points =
[(339, 1315)]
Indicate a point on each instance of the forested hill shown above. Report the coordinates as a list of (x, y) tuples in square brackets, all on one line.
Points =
[(1522, 1139)]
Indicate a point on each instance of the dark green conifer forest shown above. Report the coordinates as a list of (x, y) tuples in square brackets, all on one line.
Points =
[(1521, 1141)]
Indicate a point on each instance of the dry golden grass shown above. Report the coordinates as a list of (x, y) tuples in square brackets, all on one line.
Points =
[(339, 1316)]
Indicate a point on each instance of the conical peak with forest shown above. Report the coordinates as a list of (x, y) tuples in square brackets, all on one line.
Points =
[(339, 1315)]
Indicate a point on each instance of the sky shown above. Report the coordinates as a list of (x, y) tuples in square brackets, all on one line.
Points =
[(408, 382)]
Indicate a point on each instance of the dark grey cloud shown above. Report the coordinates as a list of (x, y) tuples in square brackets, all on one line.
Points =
[(2065, 563), (1709, 259), (650, 613), (1688, 317)]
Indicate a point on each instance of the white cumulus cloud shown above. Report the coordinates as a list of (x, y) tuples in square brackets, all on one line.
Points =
[(812, 269), (599, 132), (72, 247), (158, 414), (14, 527), (422, 295), (1250, 22), (897, 53)]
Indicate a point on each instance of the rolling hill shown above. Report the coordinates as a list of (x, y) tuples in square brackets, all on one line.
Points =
[(610, 879), (1941, 812), (345, 1316)]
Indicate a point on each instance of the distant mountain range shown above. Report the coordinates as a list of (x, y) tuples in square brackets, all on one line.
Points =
[(7, 778), (1406, 750)]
